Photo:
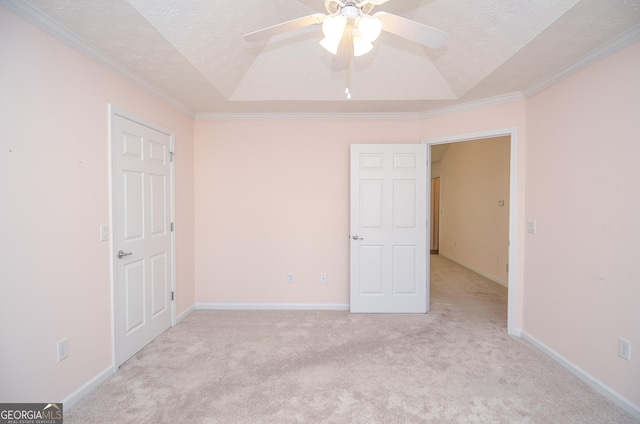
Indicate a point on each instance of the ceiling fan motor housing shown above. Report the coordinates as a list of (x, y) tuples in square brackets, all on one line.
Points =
[(350, 11), (336, 6)]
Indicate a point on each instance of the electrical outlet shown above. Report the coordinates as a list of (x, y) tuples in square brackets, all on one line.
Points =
[(63, 349), (624, 349), (323, 278), (290, 278)]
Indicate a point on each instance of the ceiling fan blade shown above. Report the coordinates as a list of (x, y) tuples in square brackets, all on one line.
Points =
[(372, 2), (274, 30), (412, 30)]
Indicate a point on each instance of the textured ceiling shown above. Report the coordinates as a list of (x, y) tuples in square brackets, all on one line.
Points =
[(195, 54)]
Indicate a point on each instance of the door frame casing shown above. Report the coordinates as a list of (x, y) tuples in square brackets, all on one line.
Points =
[(114, 111), (513, 308)]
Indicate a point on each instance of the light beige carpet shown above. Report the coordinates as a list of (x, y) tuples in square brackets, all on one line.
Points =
[(454, 365)]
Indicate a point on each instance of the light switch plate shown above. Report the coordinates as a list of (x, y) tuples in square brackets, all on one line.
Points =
[(104, 232), (531, 227)]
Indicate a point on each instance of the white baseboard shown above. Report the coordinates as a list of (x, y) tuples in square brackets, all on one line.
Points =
[(272, 306), (476, 270), (87, 388), (516, 332), (588, 379), (185, 313)]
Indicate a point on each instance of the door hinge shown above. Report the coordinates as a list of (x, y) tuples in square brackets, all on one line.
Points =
[(507, 268), (171, 295), (172, 226), (171, 155)]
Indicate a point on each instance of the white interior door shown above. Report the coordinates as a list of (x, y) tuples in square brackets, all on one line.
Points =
[(142, 198), (389, 256)]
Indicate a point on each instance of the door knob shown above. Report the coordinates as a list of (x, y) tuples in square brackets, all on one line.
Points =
[(122, 254), (357, 237)]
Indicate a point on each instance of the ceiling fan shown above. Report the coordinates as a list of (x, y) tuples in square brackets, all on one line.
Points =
[(349, 26), (353, 16)]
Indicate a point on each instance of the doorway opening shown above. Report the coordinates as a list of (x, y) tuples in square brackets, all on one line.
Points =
[(437, 147)]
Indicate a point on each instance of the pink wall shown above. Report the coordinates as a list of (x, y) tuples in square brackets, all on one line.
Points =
[(272, 197), (54, 191), (582, 272)]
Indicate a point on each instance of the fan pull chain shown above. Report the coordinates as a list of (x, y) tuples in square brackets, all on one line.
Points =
[(347, 90)]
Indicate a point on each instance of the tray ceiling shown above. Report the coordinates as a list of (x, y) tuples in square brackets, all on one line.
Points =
[(193, 52)]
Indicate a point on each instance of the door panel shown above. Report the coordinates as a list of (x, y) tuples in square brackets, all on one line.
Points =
[(389, 267), (371, 270), (404, 204), (371, 201), (131, 146), (157, 152), (158, 203), (404, 266), (159, 283), (134, 295), (142, 213), (133, 187)]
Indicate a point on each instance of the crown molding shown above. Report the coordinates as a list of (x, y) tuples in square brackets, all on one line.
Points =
[(626, 38), (51, 26), (476, 104), (307, 116)]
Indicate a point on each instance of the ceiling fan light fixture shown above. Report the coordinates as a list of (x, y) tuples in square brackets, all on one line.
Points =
[(330, 44), (361, 46), (333, 28), (369, 27)]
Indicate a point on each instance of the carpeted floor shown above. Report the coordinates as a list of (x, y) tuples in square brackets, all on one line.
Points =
[(456, 364)]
